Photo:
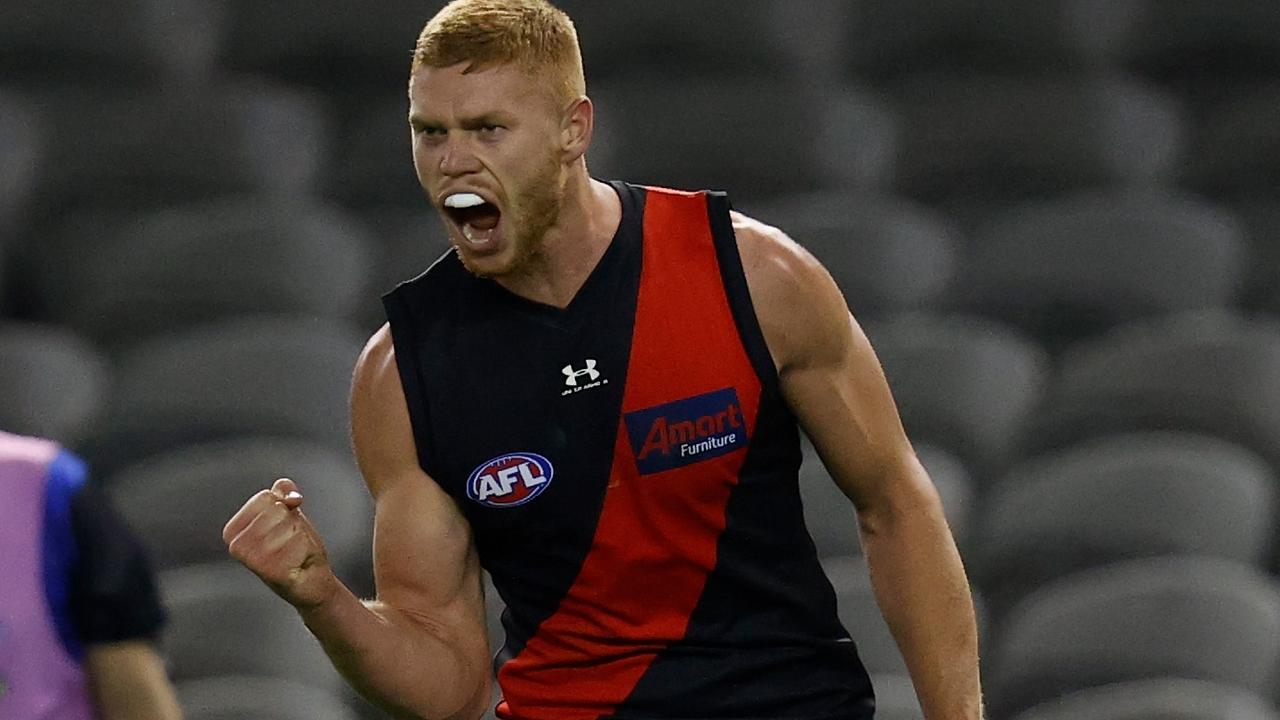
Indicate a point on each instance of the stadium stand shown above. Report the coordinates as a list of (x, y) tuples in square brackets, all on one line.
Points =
[(887, 254), (257, 698), (1194, 618), (1122, 497), (964, 384), (1072, 267), (1234, 155), (895, 697), (53, 382), (1159, 699), (372, 164), (1261, 220), (189, 264), (22, 136), (1196, 42)]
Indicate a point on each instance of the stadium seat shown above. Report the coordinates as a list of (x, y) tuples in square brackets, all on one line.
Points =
[(1184, 617), (1073, 267), (243, 377), (861, 616), (889, 39), (1122, 497), (671, 38), (729, 135), (52, 382), (202, 486), (372, 164), (1208, 373), (149, 149), (1159, 699), (337, 46), (1261, 219), (887, 254), (963, 384), (185, 265), (1236, 153), (896, 697), (974, 139), (831, 518), (224, 621), (22, 137), (1204, 39), (406, 244), (258, 698)]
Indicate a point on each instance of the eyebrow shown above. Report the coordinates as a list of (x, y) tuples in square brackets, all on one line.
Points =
[(468, 123)]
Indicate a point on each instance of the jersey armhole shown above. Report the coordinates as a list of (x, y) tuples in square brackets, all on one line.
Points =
[(737, 291), (407, 363)]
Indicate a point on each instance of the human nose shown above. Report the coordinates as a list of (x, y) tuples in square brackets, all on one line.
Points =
[(457, 158)]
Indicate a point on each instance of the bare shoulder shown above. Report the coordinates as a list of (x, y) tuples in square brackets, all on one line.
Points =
[(380, 428), (800, 309)]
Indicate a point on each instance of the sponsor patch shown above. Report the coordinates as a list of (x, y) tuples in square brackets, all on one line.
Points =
[(687, 431), (510, 480)]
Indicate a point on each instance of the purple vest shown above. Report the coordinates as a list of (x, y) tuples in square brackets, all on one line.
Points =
[(38, 679)]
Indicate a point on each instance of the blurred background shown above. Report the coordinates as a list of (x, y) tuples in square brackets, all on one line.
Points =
[(1058, 221)]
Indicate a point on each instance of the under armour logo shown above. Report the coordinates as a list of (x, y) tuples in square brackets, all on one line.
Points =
[(571, 375)]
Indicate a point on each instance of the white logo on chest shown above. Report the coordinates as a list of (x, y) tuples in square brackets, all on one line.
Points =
[(577, 380)]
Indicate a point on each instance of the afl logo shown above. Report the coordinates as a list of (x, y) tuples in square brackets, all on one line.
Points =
[(510, 480)]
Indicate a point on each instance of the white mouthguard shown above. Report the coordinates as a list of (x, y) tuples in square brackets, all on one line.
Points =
[(463, 200)]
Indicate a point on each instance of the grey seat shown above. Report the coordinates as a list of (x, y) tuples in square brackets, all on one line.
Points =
[(1123, 497), (238, 697), (1210, 373), (185, 265), (53, 382), (224, 621), (896, 697), (974, 139), (372, 166), (832, 520), (406, 243), (963, 384), (1261, 220), (862, 617), (1185, 617), (23, 138), (252, 376), (887, 254), (1157, 699), (202, 486), (1233, 154), (1200, 39), (153, 149), (887, 39), (694, 134), (1072, 267)]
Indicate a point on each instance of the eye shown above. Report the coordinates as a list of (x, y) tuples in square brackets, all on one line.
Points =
[(489, 130)]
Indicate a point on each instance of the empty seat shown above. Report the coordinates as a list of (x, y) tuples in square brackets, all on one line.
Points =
[(888, 39), (372, 164), (406, 244), (1072, 267), (963, 384), (1159, 699), (896, 697), (1236, 152), (153, 149), (983, 139), (1123, 497), (235, 378), (728, 135), (335, 45), (831, 517), (53, 383), (1193, 618), (862, 617), (1261, 219), (181, 266), (202, 486), (224, 621), (1194, 39), (22, 136), (1208, 373), (886, 254), (239, 697)]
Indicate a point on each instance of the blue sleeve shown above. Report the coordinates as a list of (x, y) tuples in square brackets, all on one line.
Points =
[(67, 475)]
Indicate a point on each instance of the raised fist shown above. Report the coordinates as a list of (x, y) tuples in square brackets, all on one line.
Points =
[(272, 537)]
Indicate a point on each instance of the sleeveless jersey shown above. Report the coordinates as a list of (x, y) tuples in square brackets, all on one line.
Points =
[(40, 679), (629, 470)]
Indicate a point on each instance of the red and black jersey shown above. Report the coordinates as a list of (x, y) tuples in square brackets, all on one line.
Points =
[(629, 469)]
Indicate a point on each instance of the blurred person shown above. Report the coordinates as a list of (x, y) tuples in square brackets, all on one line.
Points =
[(79, 612), (594, 396)]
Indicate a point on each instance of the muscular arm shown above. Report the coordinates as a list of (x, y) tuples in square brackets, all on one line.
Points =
[(835, 386), (128, 681), (420, 650)]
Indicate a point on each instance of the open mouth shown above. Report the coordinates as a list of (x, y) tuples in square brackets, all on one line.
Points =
[(475, 217)]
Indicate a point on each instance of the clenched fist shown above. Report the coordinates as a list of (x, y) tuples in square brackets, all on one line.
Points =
[(272, 537)]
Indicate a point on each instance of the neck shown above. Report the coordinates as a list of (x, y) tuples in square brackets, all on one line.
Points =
[(573, 246)]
